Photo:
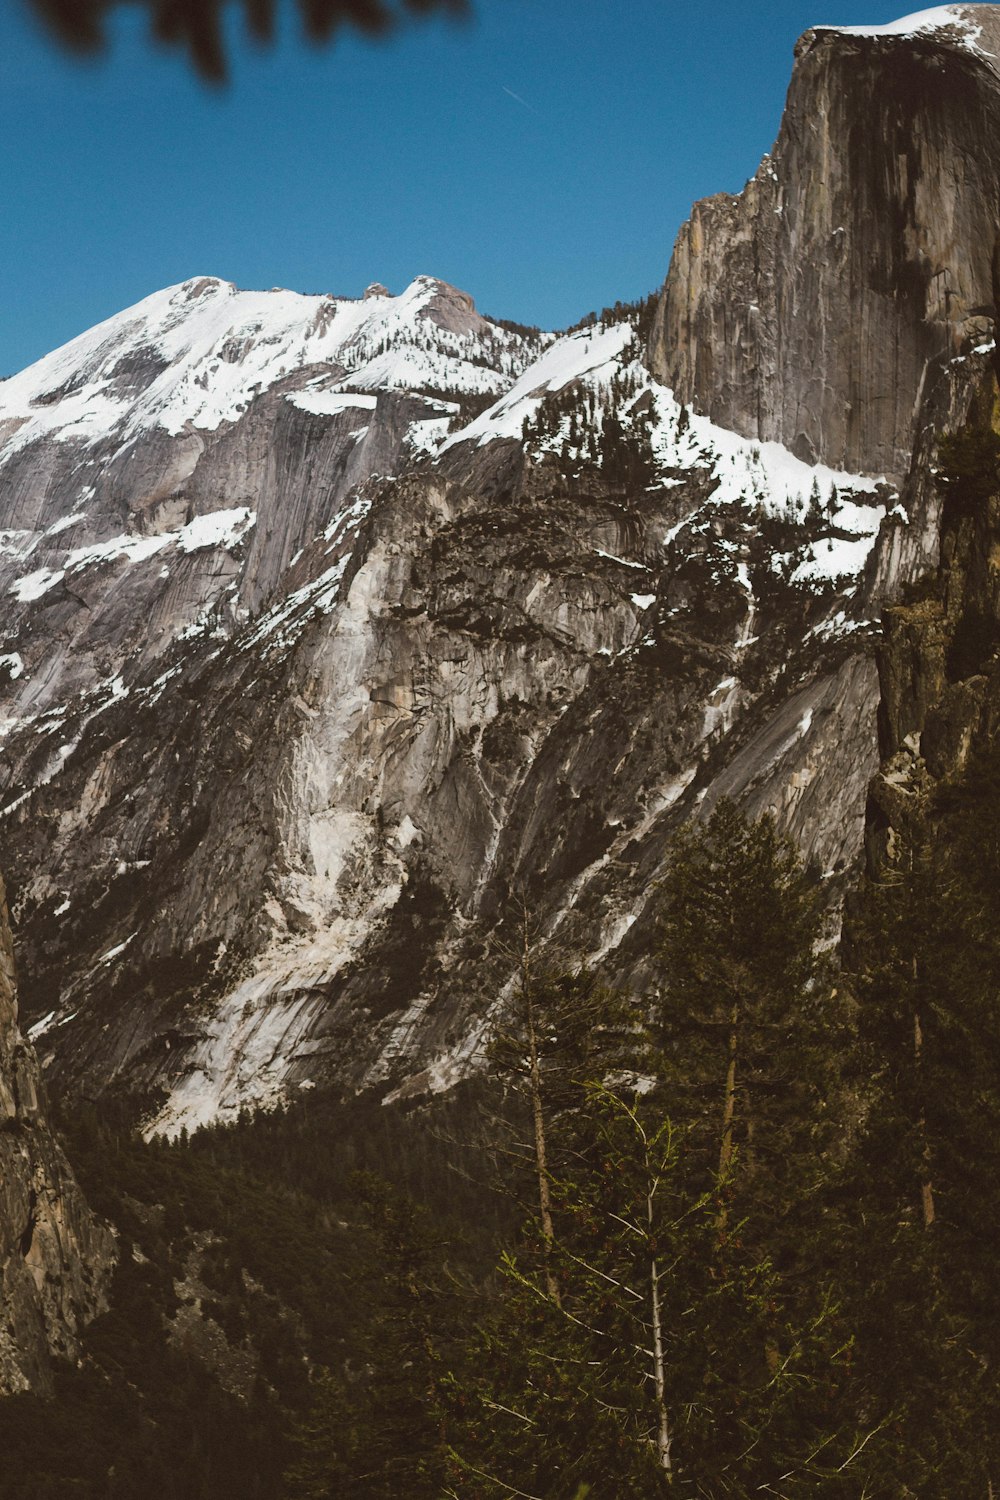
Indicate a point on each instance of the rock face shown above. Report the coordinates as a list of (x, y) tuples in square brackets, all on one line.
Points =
[(332, 625), (818, 307), (939, 667), (55, 1258), (270, 849)]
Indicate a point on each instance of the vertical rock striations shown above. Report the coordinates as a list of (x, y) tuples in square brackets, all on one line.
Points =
[(817, 307), (54, 1256), (939, 663)]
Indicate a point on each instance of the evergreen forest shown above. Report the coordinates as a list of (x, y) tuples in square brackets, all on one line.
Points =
[(735, 1240)]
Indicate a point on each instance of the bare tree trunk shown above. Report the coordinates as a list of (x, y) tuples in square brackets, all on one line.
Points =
[(926, 1185), (426, 1339), (538, 1114), (663, 1437), (729, 1106)]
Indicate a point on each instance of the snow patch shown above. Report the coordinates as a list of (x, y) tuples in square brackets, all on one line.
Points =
[(330, 403), (113, 953), (590, 352), (41, 1027), (34, 585), (220, 528), (920, 23)]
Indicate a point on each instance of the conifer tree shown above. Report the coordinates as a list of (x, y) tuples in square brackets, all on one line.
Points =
[(926, 948), (649, 1376), (381, 1434), (555, 1031), (748, 1022)]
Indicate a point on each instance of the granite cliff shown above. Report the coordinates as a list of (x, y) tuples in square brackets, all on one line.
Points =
[(819, 307)]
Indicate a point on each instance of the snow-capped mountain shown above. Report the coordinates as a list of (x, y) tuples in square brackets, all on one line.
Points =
[(138, 456), (197, 355)]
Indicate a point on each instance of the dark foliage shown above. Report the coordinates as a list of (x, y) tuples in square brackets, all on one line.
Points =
[(927, 1165), (197, 25), (969, 461), (793, 1200), (297, 1255)]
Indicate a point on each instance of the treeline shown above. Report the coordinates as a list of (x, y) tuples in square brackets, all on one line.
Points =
[(602, 429), (741, 1241), (640, 312)]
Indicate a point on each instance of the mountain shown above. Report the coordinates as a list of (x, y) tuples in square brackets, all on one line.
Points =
[(334, 625)]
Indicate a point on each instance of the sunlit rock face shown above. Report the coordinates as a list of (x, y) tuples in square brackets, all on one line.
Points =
[(55, 1259), (819, 307), (381, 615)]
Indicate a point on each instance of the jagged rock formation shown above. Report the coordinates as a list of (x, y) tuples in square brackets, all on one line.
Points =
[(818, 307), (332, 623), (54, 1257)]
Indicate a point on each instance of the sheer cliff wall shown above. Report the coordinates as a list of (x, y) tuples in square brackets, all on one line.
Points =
[(817, 307)]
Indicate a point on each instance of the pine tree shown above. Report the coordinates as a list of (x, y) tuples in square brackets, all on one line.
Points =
[(755, 1035), (324, 1440), (649, 1376), (557, 1030), (382, 1434), (748, 1021), (927, 1166)]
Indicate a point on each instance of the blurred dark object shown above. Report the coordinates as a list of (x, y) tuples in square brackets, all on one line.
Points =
[(197, 24)]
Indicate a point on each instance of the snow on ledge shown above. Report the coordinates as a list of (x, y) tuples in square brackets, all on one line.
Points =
[(921, 23), (217, 528), (330, 403)]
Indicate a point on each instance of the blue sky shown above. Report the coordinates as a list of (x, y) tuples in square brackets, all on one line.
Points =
[(541, 157)]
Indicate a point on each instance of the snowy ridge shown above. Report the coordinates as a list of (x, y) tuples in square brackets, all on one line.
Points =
[(959, 19), (197, 354), (762, 476), (593, 352)]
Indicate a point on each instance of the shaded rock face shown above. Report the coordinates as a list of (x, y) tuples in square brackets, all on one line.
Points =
[(281, 859), (819, 306), (55, 1259), (939, 662)]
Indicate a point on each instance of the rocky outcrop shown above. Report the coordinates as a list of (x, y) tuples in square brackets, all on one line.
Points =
[(939, 662), (819, 307), (55, 1258)]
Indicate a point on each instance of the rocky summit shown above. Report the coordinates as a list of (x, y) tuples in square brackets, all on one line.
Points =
[(332, 626)]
